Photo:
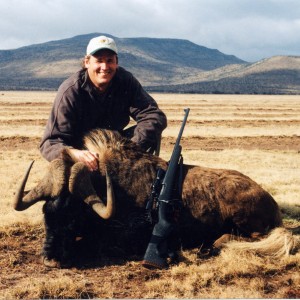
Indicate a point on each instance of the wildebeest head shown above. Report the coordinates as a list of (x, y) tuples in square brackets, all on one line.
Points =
[(62, 177)]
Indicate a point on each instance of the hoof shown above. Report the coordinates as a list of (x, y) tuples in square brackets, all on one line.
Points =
[(51, 263)]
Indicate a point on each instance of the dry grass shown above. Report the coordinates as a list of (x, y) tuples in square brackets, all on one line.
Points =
[(257, 135)]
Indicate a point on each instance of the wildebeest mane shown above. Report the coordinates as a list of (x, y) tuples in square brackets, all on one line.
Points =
[(125, 161), (105, 139), (109, 144)]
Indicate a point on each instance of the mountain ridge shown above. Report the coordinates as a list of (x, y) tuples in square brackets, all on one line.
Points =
[(161, 65)]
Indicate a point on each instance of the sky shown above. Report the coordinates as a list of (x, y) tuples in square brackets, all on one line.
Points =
[(249, 29)]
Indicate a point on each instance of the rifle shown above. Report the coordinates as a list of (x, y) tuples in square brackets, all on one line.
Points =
[(157, 251)]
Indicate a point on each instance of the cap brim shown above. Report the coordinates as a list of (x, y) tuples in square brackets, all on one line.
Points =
[(103, 48)]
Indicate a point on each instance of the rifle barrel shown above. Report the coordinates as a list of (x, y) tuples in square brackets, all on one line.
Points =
[(168, 181), (186, 110)]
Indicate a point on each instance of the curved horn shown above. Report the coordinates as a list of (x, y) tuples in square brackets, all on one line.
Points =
[(80, 185), (105, 212), (19, 203), (50, 186)]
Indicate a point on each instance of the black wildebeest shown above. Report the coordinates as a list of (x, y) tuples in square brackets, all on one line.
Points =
[(216, 202)]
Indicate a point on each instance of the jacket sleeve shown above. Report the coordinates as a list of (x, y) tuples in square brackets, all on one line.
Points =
[(59, 131), (151, 121)]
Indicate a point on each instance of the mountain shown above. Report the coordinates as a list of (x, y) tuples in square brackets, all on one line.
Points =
[(161, 65), (275, 75)]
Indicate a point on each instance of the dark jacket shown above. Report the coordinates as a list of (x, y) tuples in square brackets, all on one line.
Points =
[(79, 107)]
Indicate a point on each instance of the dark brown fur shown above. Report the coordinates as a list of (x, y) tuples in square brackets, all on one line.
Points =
[(216, 201)]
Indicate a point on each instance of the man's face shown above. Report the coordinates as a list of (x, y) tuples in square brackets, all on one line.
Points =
[(101, 67)]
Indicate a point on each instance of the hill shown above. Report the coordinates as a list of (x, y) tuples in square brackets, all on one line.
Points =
[(275, 75), (162, 65)]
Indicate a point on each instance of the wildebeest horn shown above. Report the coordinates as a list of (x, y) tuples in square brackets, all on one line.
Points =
[(49, 187), (80, 185)]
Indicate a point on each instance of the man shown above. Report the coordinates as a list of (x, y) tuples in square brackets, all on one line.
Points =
[(101, 95)]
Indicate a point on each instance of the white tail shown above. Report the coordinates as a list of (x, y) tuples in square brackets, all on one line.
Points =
[(279, 243)]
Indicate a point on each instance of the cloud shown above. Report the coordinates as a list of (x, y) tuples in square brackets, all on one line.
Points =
[(249, 29)]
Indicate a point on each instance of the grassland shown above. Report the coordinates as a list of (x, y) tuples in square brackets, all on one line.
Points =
[(257, 135)]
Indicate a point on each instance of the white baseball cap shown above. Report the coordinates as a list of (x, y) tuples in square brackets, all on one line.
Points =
[(101, 42)]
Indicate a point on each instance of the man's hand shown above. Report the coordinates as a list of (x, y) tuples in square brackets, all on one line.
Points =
[(90, 159)]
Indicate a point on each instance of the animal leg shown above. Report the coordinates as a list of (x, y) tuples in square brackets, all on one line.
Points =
[(59, 223), (220, 243), (50, 257), (225, 238)]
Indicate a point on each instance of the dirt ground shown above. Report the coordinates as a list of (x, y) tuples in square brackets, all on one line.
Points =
[(110, 277), (264, 123), (190, 143), (25, 261)]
